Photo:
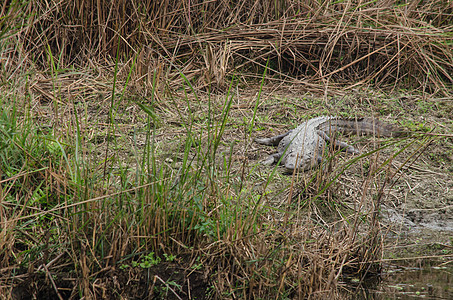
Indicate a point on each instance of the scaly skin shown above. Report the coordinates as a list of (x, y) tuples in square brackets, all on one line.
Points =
[(302, 147)]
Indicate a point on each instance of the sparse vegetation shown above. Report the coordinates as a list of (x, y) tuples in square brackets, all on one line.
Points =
[(127, 167)]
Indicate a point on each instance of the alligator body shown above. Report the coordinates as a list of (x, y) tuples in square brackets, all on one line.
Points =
[(302, 147)]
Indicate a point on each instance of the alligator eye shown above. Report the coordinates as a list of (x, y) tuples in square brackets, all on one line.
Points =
[(289, 166)]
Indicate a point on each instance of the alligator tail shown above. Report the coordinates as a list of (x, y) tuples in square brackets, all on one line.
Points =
[(361, 126)]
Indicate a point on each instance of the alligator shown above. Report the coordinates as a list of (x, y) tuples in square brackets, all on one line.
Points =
[(302, 147)]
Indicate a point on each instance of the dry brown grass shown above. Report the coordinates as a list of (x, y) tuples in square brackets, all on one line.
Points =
[(302, 242), (314, 44)]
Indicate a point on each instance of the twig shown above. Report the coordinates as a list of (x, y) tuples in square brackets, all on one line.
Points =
[(52, 281), (166, 284)]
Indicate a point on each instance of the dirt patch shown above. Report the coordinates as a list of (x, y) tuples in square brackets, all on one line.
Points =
[(417, 204), (163, 281), (421, 200), (419, 210)]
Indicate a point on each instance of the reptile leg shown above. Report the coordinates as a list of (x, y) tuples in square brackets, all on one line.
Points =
[(273, 158), (338, 144), (272, 141)]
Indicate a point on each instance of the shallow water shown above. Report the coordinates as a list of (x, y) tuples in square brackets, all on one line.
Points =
[(410, 283), (428, 282), (421, 234)]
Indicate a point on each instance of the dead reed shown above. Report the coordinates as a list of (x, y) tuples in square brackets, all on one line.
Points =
[(312, 44), (83, 80)]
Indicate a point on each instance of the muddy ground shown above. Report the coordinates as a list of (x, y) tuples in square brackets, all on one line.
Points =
[(417, 214)]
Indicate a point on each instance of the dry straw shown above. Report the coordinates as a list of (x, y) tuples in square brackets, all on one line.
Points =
[(86, 229), (310, 43)]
